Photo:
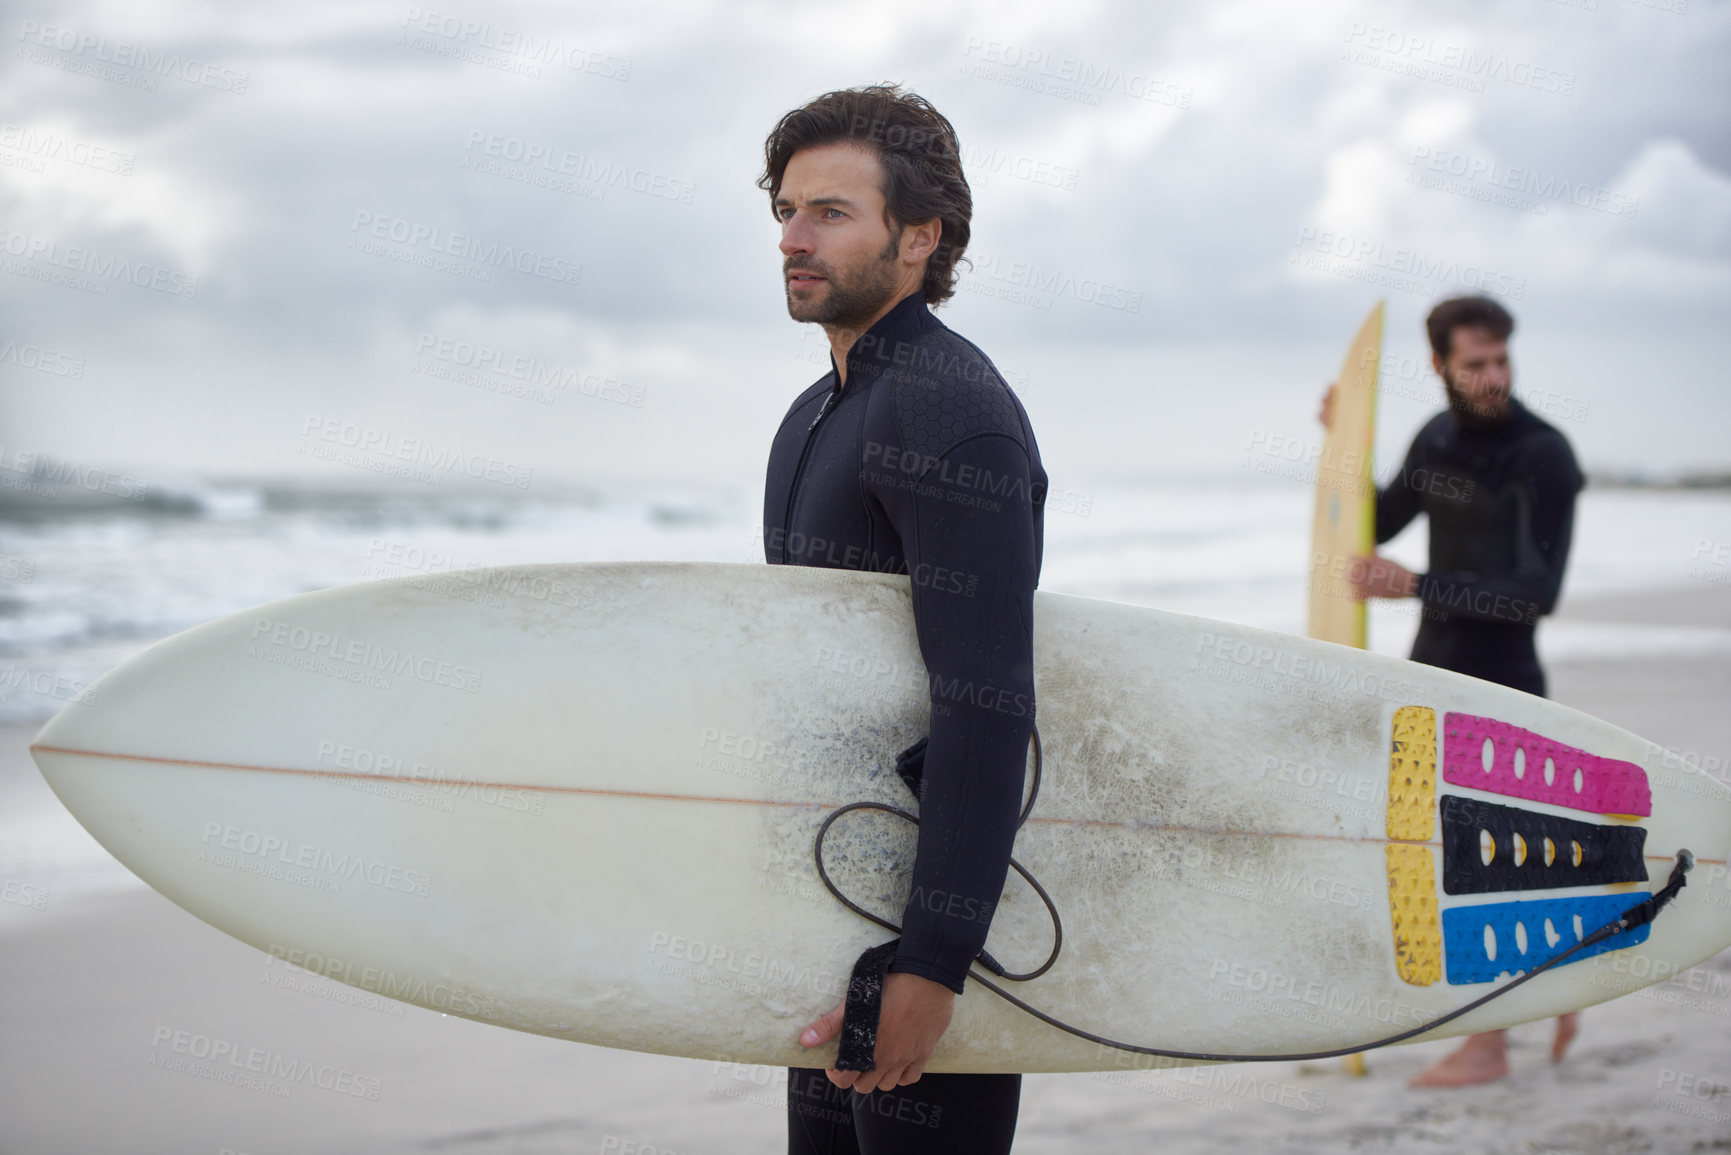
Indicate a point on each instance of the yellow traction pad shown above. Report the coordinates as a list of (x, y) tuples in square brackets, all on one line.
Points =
[(1412, 774), (1412, 904)]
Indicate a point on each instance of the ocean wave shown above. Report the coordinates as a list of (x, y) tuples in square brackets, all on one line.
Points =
[(48, 494)]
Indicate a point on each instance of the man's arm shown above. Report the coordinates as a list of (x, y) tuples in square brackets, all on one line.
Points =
[(968, 533), (1398, 502), (967, 530)]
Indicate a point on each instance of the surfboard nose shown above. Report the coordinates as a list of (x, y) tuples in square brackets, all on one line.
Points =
[(76, 727)]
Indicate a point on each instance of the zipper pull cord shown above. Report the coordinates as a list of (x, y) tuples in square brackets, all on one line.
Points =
[(827, 402)]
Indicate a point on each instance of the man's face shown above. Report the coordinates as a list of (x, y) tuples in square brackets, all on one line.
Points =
[(840, 258), (1476, 375)]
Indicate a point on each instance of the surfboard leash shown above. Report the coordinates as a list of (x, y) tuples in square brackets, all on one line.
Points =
[(983, 958), (859, 1023), (1636, 915), (865, 989)]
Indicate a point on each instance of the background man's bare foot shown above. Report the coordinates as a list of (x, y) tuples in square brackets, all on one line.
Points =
[(1567, 1027), (1481, 1059)]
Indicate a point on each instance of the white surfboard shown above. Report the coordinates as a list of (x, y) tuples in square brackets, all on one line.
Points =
[(580, 801)]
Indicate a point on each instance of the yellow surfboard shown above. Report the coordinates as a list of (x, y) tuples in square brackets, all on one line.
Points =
[(1345, 521)]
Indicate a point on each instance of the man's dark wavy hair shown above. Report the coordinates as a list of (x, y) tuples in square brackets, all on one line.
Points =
[(1466, 313), (921, 155)]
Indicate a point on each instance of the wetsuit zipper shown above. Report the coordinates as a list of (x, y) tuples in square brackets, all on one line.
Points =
[(823, 409), (805, 454)]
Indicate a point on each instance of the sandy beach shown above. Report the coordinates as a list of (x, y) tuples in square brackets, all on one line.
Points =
[(95, 984)]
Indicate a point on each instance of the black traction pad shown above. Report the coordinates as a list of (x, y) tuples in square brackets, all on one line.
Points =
[(1607, 853)]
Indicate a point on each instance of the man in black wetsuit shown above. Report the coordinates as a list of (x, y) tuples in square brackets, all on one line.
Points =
[(1498, 486), (910, 456)]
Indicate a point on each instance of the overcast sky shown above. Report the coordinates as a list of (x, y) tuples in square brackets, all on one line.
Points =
[(230, 230)]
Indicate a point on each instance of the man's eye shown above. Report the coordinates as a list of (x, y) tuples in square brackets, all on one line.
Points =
[(834, 212)]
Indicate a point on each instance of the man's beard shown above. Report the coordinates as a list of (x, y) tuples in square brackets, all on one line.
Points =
[(1476, 413), (851, 301)]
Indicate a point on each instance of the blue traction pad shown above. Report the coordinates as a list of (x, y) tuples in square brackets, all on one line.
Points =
[(1464, 933)]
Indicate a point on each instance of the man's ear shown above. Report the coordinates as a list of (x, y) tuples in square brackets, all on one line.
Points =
[(1436, 363), (921, 241)]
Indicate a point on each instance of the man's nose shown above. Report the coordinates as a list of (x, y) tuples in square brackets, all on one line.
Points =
[(796, 235)]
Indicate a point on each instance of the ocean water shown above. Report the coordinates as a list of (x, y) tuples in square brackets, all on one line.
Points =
[(87, 581)]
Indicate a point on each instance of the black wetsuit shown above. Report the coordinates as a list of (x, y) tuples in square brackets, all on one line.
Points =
[(924, 463), (1501, 504)]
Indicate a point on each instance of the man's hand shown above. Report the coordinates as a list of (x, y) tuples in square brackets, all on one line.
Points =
[(914, 1016), (1378, 577), (1326, 413)]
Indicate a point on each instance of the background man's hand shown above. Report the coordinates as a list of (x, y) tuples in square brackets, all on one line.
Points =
[(1326, 413), (914, 1016), (1378, 577)]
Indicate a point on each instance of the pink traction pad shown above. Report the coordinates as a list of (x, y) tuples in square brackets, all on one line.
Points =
[(1606, 785)]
